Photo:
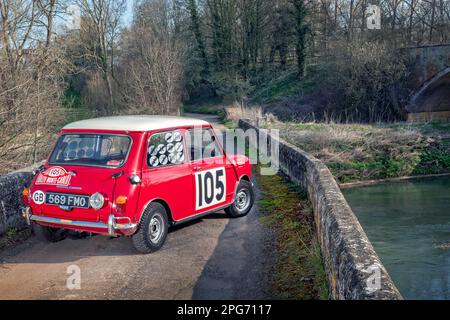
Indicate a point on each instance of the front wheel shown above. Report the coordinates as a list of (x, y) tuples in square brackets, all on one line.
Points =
[(153, 229), (243, 200)]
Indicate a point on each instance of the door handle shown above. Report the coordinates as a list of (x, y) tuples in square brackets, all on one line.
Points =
[(197, 168)]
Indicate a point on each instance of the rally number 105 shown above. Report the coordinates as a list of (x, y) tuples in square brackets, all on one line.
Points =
[(210, 188)]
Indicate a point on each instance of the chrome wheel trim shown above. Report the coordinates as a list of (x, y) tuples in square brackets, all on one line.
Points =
[(156, 227), (242, 201)]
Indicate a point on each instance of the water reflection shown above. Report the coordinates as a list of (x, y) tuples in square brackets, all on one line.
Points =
[(408, 223)]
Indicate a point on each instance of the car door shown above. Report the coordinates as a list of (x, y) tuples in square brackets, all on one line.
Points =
[(166, 174), (213, 175)]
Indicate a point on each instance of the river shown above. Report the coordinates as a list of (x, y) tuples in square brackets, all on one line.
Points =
[(408, 224)]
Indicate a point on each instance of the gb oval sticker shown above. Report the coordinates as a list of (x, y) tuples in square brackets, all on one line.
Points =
[(38, 197), (56, 176)]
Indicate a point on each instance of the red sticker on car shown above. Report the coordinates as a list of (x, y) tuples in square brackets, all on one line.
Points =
[(113, 163), (56, 176)]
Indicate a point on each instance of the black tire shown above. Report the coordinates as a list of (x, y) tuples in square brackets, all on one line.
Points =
[(47, 234), (240, 207), (153, 229)]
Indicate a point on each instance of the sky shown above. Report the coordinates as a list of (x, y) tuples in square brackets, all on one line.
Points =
[(128, 16)]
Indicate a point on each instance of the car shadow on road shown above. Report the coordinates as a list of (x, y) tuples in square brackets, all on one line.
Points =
[(75, 248), (213, 216), (241, 266)]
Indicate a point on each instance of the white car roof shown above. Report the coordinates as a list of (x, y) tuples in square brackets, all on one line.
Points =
[(135, 123)]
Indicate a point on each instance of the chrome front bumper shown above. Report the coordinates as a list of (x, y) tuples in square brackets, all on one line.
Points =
[(112, 227)]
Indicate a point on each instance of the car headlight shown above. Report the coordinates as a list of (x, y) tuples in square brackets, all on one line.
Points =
[(97, 201)]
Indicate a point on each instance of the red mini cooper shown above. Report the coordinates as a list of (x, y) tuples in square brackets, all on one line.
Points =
[(135, 176)]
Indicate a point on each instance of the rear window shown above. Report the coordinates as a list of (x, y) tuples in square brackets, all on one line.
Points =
[(103, 150)]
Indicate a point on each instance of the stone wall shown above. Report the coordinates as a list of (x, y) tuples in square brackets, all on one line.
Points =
[(350, 260), (11, 186)]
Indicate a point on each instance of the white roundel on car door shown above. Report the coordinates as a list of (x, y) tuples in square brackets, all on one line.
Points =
[(165, 148)]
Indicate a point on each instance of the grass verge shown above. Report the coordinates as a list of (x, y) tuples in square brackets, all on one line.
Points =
[(359, 152), (14, 236), (299, 272)]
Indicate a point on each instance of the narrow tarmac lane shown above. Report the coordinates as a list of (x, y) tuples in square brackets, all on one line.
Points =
[(240, 267), (211, 258)]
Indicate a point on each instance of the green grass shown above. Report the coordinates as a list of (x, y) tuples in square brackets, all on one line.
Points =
[(358, 152), (229, 124), (14, 236), (285, 84), (11, 233), (426, 128), (73, 107), (351, 171), (213, 106), (433, 160), (299, 273), (71, 99)]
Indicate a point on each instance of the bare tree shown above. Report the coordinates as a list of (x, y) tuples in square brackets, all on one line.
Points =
[(152, 70), (102, 23), (31, 72)]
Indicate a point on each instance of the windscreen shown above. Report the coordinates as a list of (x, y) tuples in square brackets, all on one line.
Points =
[(91, 150)]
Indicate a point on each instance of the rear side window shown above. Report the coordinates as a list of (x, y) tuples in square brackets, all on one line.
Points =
[(165, 149), (91, 150)]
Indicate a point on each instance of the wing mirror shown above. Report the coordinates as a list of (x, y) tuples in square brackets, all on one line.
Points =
[(39, 169)]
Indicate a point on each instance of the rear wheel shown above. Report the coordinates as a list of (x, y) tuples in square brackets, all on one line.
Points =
[(243, 200), (48, 234), (153, 229)]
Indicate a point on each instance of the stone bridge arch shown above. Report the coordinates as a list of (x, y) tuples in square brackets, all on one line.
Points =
[(430, 82), (432, 100)]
